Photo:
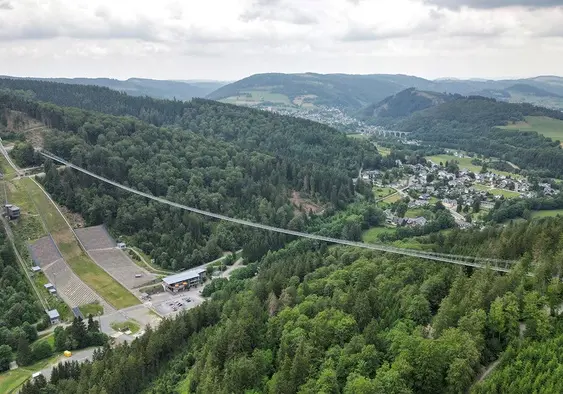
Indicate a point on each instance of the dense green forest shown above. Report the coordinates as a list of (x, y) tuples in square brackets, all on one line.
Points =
[(19, 309), (405, 103), (147, 87), (251, 175), (340, 320)]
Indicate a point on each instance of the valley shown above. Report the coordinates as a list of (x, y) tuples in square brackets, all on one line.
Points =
[(303, 249)]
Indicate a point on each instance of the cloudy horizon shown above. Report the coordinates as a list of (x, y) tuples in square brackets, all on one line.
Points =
[(229, 40)]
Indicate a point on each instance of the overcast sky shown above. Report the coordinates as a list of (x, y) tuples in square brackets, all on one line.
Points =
[(231, 39)]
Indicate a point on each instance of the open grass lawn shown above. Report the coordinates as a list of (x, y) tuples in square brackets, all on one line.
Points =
[(415, 212), (28, 227), (391, 199), (6, 168), (49, 338), (505, 193), (465, 162), (10, 381), (549, 127), (52, 218), (93, 309), (372, 235), (100, 281), (496, 192), (547, 212), (380, 192), (94, 276), (131, 325)]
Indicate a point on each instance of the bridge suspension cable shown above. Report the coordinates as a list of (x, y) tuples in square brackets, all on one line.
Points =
[(470, 261)]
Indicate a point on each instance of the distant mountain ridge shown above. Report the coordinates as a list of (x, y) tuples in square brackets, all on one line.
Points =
[(354, 92), (162, 89)]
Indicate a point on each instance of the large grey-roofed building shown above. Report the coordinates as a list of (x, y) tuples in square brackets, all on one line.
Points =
[(184, 280)]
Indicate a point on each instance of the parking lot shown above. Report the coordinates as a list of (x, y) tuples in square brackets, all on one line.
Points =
[(168, 304)]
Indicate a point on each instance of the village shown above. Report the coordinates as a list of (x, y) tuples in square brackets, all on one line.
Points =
[(463, 192)]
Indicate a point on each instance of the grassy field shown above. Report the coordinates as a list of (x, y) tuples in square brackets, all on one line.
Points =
[(10, 381), (50, 339), (415, 212), (383, 150), (372, 235), (391, 199), (131, 325), (28, 227), (380, 192), (6, 168), (100, 281), (94, 276), (465, 162), (546, 213), (93, 309), (497, 192), (549, 127), (52, 218)]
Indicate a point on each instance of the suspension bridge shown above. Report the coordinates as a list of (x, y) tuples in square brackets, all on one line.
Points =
[(468, 261)]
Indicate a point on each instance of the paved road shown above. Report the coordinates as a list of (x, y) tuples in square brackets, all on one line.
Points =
[(78, 355)]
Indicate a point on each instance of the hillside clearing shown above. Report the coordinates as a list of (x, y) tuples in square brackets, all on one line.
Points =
[(548, 127), (372, 235), (546, 213)]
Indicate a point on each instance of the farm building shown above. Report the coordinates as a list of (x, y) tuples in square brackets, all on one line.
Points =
[(12, 211), (183, 280)]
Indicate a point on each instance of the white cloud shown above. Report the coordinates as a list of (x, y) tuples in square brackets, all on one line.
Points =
[(231, 39)]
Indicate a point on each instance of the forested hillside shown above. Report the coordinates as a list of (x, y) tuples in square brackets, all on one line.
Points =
[(352, 92), (349, 92), (251, 177), (405, 103), (320, 320), (19, 309), (144, 87), (468, 123)]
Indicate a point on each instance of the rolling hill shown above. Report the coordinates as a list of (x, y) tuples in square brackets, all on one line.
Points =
[(348, 92), (405, 103), (353, 92), (180, 90), (524, 134)]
